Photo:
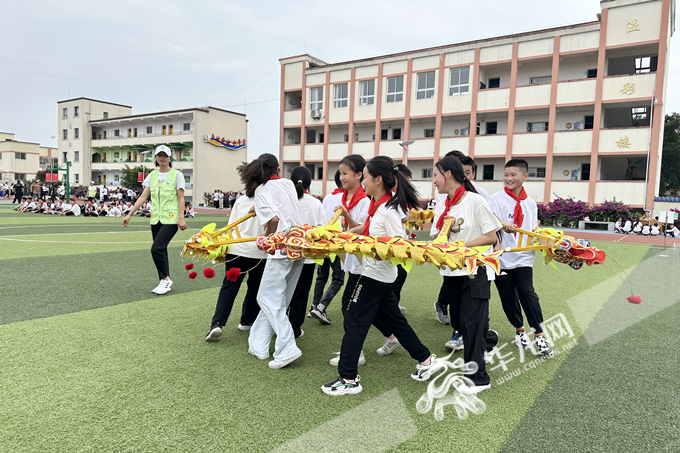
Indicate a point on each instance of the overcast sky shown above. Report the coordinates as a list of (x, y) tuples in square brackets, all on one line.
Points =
[(166, 55)]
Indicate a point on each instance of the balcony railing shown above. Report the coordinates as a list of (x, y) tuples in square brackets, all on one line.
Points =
[(158, 134)]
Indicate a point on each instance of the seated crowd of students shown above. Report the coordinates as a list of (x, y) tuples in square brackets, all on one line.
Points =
[(641, 228), (89, 208)]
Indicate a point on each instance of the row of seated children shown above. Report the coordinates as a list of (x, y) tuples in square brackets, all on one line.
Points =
[(642, 229)]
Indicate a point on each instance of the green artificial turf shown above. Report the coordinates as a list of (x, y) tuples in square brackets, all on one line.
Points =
[(92, 361)]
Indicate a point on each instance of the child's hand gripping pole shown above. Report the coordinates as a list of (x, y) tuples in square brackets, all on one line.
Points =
[(524, 241)]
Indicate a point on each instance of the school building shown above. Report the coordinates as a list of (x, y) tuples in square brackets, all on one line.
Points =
[(22, 160), (99, 138), (583, 104)]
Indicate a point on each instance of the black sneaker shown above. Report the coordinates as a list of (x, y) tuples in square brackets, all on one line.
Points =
[(341, 386), (442, 313), (214, 334), (320, 315), (542, 346)]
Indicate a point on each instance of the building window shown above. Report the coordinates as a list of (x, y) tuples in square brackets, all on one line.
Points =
[(356, 137), (76, 156), (591, 73), (585, 172), (643, 65), (65, 156), (316, 98), (135, 132), (164, 129), (366, 92), (427, 173), (104, 135), (340, 95), (116, 132), (20, 156), (76, 133), (487, 174), (319, 172), (21, 176), (64, 134), (396, 134), (491, 127), (639, 113), (588, 122), (185, 127), (538, 80), (460, 81), (425, 85), (129, 132), (495, 82), (116, 178), (76, 177), (149, 129), (429, 133), (537, 172), (345, 138), (106, 115), (395, 89), (383, 134), (65, 113), (537, 126), (76, 111)]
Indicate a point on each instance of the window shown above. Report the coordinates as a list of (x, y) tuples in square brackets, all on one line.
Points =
[(319, 174), (104, 134), (186, 127), (487, 174), (20, 156), (311, 136), (164, 129), (427, 173), (395, 89), (537, 172), (316, 98), (116, 178), (495, 82), (639, 113), (76, 177), (149, 129), (383, 134), (356, 137), (345, 138), (65, 156), (428, 133), (21, 176), (76, 156), (591, 73), (537, 80), (76, 133), (129, 132), (588, 123), (425, 85), (170, 129), (643, 65), (366, 92), (537, 127), (116, 133), (64, 134), (65, 113), (106, 115), (491, 127), (135, 132), (396, 134), (460, 81), (321, 137), (340, 95), (76, 111), (585, 172)]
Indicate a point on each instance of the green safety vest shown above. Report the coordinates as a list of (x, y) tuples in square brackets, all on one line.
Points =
[(164, 201), (92, 191)]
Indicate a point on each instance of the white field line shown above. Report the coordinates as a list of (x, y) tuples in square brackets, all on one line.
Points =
[(89, 232), (80, 242)]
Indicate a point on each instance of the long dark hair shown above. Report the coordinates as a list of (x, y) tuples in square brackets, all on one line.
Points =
[(406, 196), (258, 172), (456, 168), (302, 178), (355, 162)]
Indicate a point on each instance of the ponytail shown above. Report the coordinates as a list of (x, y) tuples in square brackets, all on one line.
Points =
[(302, 178), (405, 196), (258, 172), (456, 168)]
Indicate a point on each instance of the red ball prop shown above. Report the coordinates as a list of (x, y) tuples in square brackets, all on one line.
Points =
[(189, 266), (233, 274), (192, 275), (208, 272), (634, 299)]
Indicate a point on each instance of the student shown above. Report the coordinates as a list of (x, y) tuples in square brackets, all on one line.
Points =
[(102, 209), (72, 209), (373, 299), (276, 207), (321, 300), (467, 296), (247, 257), (674, 232), (645, 230), (311, 213), (515, 283), (617, 227), (90, 209), (654, 230), (637, 229), (189, 212), (20, 204), (628, 227), (31, 204), (91, 191), (165, 186)]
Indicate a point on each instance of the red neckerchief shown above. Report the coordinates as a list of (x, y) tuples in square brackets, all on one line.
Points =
[(337, 191), (306, 191), (374, 207), (358, 196), (450, 202), (274, 177), (518, 215)]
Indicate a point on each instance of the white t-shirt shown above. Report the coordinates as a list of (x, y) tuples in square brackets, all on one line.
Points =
[(655, 230), (103, 190), (61, 190), (330, 202), (130, 193), (248, 229), (73, 208), (676, 232), (31, 205), (479, 220), (220, 196), (385, 222), (312, 213), (440, 198), (358, 213), (161, 177), (504, 207), (277, 197)]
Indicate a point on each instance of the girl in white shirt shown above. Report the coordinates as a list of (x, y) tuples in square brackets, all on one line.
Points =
[(276, 208), (372, 297), (312, 213)]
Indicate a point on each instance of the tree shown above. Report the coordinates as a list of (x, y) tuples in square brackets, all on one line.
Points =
[(241, 167), (128, 177), (670, 163)]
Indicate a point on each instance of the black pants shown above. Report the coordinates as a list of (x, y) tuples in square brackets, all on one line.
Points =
[(468, 301), (372, 300), (515, 289), (229, 290), (162, 235), (399, 282), (298, 304), (347, 295), (337, 280)]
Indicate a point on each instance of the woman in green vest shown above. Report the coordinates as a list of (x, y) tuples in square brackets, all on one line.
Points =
[(165, 186)]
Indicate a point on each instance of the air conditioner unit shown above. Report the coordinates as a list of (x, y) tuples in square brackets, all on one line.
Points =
[(316, 114), (290, 137)]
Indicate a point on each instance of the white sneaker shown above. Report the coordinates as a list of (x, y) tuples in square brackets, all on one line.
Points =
[(244, 327), (335, 360), (160, 285), (276, 365), (388, 346), (402, 309), (164, 287), (522, 339)]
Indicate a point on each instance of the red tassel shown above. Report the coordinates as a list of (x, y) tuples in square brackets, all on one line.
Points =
[(192, 275), (209, 272), (413, 235), (189, 266), (233, 274), (634, 299)]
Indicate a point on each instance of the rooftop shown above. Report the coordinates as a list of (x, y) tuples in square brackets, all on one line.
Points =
[(94, 100)]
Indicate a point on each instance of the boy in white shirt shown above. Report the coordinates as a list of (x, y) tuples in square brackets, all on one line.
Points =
[(515, 283)]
